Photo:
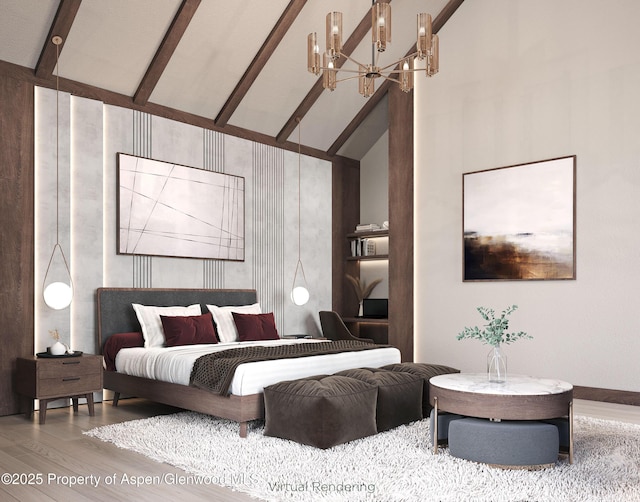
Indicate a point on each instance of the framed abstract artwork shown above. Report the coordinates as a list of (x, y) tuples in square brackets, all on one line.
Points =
[(167, 209), (519, 222)]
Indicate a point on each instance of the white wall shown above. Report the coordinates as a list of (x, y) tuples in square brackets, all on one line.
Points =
[(91, 134), (374, 183), (374, 208), (522, 81)]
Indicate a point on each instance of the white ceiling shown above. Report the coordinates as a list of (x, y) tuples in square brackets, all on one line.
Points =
[(112, 43)]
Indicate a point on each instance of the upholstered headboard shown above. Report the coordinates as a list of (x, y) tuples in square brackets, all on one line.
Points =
[(116, 315)]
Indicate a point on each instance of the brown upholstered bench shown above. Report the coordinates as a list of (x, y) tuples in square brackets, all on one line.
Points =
[(321, 411), (399, 395), (424, 371)]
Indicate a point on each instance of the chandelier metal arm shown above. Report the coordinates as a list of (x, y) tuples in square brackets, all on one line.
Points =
[(348, 78), (399, 62), (349, 58)]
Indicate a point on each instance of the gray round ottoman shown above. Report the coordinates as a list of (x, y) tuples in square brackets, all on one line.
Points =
[(320, 411), (510, 443), (444, 419)]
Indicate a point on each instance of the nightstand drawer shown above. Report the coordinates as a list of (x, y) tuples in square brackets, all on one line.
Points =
[(71, 366), (70, 385)]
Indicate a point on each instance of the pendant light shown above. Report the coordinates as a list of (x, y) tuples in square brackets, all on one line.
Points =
[(299, 291), (58, 293)]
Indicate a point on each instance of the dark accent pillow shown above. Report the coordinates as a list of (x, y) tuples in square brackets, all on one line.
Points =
[(119, 341), (188, 330), (253, 327)]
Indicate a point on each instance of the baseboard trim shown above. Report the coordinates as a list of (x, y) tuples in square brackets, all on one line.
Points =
[(606, 395)]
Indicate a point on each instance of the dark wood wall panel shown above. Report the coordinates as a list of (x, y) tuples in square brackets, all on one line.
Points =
[(401, 221), (606, 395), (16, 232), (345, 215)]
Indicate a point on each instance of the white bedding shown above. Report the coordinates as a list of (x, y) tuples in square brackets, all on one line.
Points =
[(174, 364)]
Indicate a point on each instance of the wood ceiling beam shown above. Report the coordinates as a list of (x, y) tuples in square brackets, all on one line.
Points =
[(61, 26), (312, 96), (168, 46), (440, 20), (260, 60)]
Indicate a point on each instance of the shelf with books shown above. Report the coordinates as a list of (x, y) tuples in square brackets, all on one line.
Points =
[(367, 258), (364, 235), (370, 245)]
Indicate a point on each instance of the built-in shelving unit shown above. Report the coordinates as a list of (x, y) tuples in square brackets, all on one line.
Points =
[(346, 215), (378, 234), (372, 328)]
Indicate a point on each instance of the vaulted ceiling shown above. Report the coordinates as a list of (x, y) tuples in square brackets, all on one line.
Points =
[(239, 63)]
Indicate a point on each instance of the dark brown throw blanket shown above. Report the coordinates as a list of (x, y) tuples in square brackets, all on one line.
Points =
[(215, 371)]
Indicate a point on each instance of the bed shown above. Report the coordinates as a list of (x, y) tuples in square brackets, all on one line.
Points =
[(116, 315)]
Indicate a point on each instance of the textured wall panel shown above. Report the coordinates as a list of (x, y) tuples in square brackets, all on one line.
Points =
[(271, 220), (87, 140), (213, 160), (268, 228), (142, 146)]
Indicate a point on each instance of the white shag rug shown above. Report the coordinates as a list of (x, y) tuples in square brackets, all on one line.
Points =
[(395, 466)]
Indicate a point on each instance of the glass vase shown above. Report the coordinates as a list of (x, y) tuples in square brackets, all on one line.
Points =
[(497, 365)]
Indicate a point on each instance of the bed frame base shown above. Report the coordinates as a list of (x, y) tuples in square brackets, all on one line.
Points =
[(238, 408)]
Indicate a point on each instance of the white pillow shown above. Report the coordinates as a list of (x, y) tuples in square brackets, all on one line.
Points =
[(149, 318), (225, 326)]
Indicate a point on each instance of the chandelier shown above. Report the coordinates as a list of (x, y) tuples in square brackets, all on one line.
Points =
[(426, 49)]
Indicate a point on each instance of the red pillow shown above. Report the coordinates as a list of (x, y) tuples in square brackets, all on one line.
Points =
[(188, 330), (252, 327), (119, 341)]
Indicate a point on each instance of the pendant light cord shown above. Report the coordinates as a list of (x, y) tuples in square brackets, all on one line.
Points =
[(57, 41), (299, 263), (299, 192), (57, 144)]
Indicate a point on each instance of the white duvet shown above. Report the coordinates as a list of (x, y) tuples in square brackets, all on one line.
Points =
[(174, 364)]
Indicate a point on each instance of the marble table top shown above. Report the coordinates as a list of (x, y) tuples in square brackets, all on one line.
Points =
[(521, 385)]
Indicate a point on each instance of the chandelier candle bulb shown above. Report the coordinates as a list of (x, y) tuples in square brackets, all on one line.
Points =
[(313, 54), (366, 84), (433, 60), (328, 74), (334, 34), (406, 77), (381, 20), (424, 34)]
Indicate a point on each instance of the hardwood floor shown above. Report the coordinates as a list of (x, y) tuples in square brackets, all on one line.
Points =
[(58, 448), (60, 453)]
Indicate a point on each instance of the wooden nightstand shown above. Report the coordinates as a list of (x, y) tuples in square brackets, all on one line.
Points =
[(48, 379)]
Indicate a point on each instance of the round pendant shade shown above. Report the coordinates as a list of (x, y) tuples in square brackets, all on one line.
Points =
[(58, 295)]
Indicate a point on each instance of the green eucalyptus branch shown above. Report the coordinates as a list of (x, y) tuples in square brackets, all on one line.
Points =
[(495, 332)]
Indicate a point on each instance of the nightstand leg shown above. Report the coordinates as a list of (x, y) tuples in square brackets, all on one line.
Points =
[(29, 406), (92, 411), (43, 410), (435, 425), (74, 400)]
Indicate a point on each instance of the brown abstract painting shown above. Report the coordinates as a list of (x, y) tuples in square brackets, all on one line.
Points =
[(519, 222)]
